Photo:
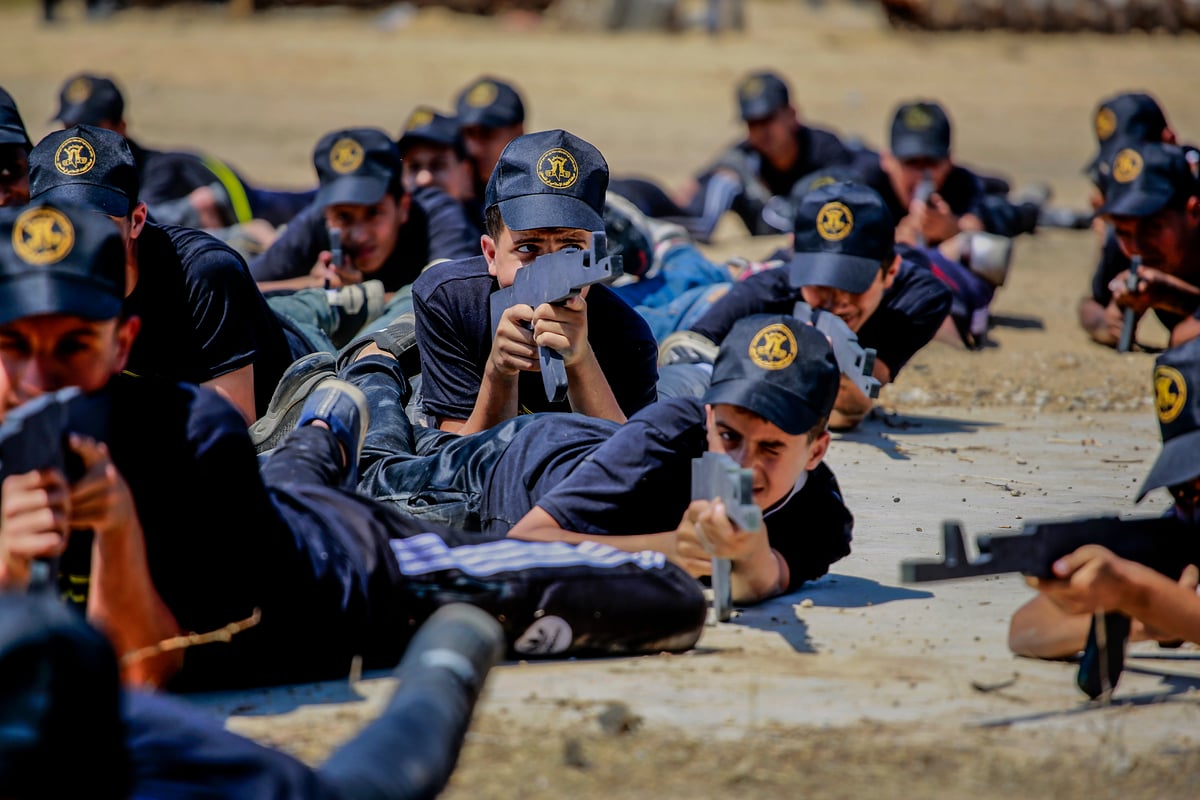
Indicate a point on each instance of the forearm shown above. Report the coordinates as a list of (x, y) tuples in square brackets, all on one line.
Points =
[(497, 401), (1040, 629), (1094, 318), (589, 392), (292, 284), (851, 405), (125, 605), (761, 575), (238, 388), (1160, 603)]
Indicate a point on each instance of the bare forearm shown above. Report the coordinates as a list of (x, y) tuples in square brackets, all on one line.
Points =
[(1160, 603), (497, 401), (764, 574), (589, 392)]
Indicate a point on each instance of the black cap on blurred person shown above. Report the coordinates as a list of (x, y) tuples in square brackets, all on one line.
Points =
[(85, 166), (355, 166), (490, 103), (761, 94), (427, 125), (1145, 177), (920, 130), (12, 127), (87, 99)]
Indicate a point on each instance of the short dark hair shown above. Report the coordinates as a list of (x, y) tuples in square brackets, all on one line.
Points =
[(493, 221)]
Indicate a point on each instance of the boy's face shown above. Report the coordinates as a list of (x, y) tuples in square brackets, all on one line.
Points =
[(1161, 239), (906, 174), (776, 458), (775, 135), (14, 175), (516, 249), (369, 233), (854, 309), (48, 352), (428, 164), (484, 145)]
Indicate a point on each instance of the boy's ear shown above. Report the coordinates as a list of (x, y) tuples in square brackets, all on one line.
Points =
[(819, 448)]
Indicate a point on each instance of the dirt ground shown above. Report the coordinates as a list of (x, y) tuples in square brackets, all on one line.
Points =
[(259, 93)]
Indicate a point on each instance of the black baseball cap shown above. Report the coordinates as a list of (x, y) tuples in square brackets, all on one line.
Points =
[(549, 179), (1144, 177), (1119, 120), (61, 687), (489, 102), (844, 234), (760, 94), (779, 368), (85, 166), (12, 127), (355, 166), (920, 130), (60, 259), (427, 125), (1177, 402), (89, 99)]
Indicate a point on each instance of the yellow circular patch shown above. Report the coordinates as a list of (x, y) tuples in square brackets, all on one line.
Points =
[(558, 169), (773, 347), (78, 90), (42, 236), (419, 119), (916, 118), (1127, 165), (1170, 393), (1106, 124), (346, 155), (74, 156), (751, 87), (834, 222), (482, 94)]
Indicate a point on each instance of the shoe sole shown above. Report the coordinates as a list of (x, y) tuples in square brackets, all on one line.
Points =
[(267, 431)]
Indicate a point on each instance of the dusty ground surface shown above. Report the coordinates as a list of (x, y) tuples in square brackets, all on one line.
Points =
[(858, 685)]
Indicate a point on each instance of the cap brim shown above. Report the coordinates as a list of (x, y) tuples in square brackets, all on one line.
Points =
[(1177, 463), (853, 274), (549, 211), (14, 135), (753, 112), (1136, 204), (357, 190), (409, 140), (90, 197), (786, 410), (38, 293), (907, 147)]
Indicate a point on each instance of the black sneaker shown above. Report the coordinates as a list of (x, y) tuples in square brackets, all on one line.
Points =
[(283, 411), (343, 407)]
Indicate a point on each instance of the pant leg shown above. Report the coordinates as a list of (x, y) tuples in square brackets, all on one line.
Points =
[(307, 318), (684, 268), (401, 303), (682, 312), (557, 599)]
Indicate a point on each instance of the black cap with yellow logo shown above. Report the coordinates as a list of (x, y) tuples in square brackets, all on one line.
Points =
[(779, 368), (844, 235), (490, 103), (1177, 401), (1145, 177), (85, 166), (355, 166), (429, 126), (549, 179), (59, 259), (12, 127), (920, 130), (88, 99), (761, 94)]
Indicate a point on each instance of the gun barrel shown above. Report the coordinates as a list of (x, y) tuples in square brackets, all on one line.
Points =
[(1129, 323)]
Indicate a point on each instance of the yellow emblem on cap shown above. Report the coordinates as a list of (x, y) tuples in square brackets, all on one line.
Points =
[(558, 169), (751, 87), (773, 347), (916, 118), (43, 236), (482, 94), (834, 221), (419, 119), (78, 90), (74, 156), (1127, 165), (824, 180), (1170, 393), (1106, 124), (346, 155)]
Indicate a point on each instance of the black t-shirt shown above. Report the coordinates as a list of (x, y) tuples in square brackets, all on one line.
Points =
[(962, 191), (220, 544), (817, 149), (436, 228), (454, 335), (202, 314), (597, 477), (909, 314)]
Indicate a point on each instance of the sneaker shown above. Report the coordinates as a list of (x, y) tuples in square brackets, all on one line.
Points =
[(398, 338), (661, 235), (343, 407), (283, 411)]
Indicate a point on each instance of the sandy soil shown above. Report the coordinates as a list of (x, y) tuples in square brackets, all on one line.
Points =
[(260, 92)]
